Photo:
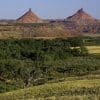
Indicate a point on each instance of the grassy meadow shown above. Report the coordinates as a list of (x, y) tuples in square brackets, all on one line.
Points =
[(93, 49), (69, 88)]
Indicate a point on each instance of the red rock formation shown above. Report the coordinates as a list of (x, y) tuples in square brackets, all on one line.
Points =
[(82, 17), (29, 17)]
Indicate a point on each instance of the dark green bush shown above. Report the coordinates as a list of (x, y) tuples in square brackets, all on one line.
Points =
[(35, 62)]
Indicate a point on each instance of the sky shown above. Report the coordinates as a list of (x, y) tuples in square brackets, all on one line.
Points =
[(48, 9)]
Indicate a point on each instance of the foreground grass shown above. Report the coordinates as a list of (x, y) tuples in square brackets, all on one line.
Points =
[(67, 89), (78, 97)]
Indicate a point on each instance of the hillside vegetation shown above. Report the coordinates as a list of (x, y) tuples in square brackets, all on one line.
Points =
[(49, 68)]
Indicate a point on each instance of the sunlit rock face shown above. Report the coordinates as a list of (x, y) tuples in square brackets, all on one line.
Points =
[(29, 17), (81, 17)]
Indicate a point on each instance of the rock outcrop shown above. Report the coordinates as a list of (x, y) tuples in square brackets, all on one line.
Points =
[(81, 17), (29, 17)]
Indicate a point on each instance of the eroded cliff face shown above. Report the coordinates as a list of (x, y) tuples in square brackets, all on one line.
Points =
[(81, 17), (29, 17)]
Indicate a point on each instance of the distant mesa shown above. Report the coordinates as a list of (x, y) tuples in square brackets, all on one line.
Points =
[(82, 17), (29, 17)]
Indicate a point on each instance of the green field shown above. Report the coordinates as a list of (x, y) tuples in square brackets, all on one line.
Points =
[(69, 88), (93, 49)]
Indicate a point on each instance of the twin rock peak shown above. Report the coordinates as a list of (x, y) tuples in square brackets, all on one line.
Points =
[(80, 15)]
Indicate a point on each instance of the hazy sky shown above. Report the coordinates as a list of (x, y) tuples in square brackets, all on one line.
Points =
[(11, 9)]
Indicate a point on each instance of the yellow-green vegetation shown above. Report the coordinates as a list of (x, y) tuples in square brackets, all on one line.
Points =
[(93, 49), (70, 89), (91, 35), (84, 97)]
